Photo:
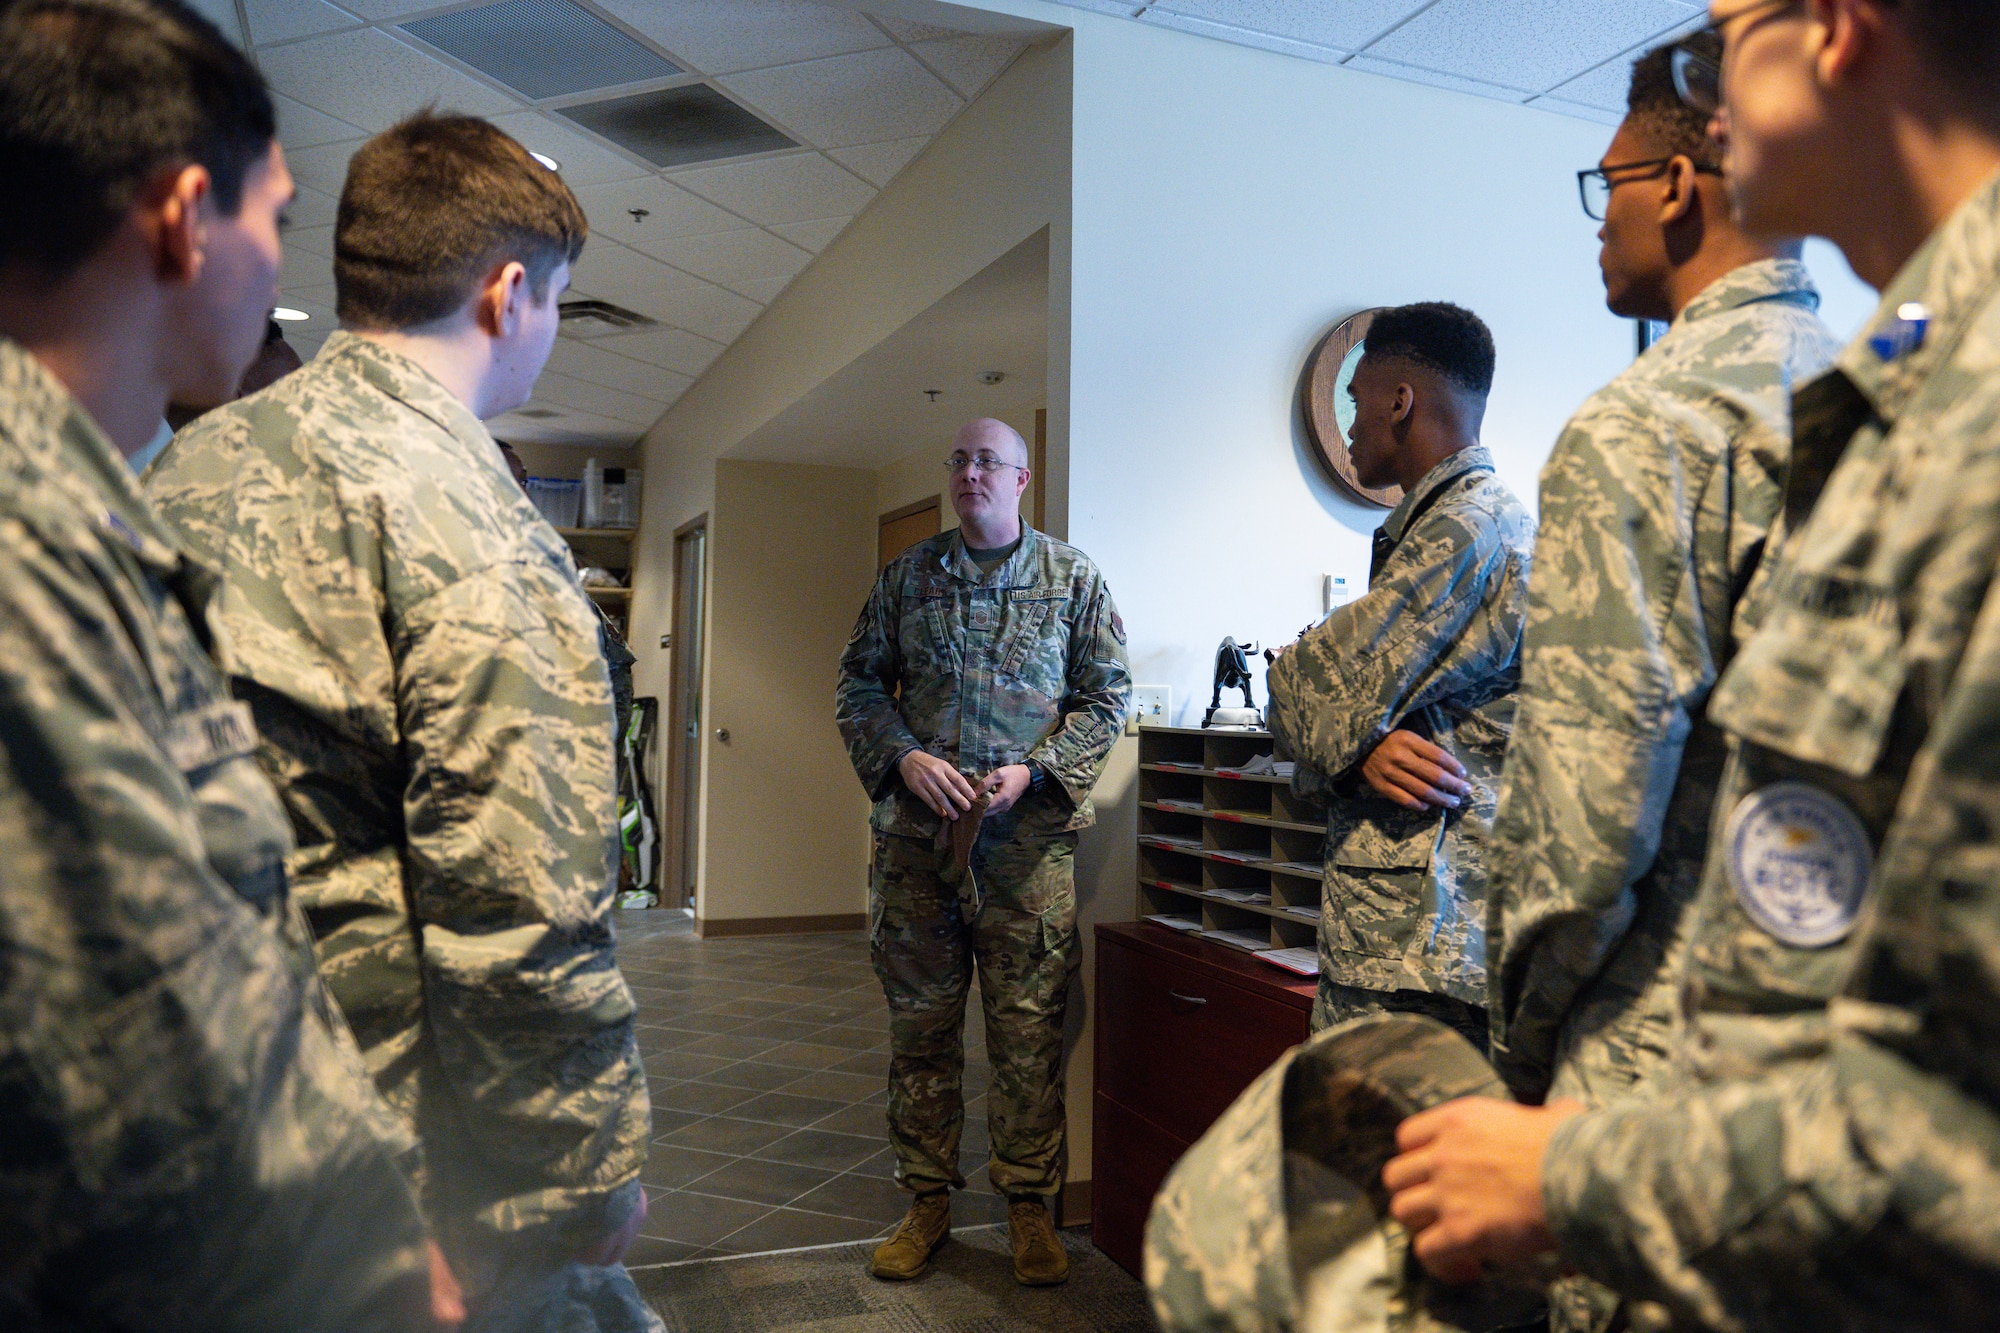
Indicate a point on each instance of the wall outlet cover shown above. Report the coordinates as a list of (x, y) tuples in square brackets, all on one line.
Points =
[(1152, 706)]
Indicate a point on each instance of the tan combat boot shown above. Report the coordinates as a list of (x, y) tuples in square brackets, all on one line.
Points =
[(926, 1226), (1039, 1258)]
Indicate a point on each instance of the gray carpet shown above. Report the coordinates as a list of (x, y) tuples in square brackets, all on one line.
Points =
[(970, 1288)]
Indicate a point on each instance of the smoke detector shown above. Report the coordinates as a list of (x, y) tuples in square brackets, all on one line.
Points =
[(992, 376)]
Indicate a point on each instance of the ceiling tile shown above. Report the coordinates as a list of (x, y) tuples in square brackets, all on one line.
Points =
[(564, 426), (323, 168), (381, 11), (733, 257), (582, 160), (797, 188), (326, 73), (583, 359), (907, 30), (312, 240), (1432, 78), (862, 98), (879, 162), (1529, 44), (1347, 25), (304, 271), (721, 36), (312, 300), (764, 291), (310, 208), (579, 396), (968, 64), (671, 349), (542, 48), (815, 235), (670, 211), (1603, 88), (299, 126), (704, 308), (1577, 110), (282, 20), (626, 278)]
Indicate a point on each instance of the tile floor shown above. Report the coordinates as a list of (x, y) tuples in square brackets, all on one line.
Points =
[(768, 1060)]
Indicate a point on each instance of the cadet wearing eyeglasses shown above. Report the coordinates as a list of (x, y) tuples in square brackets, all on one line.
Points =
[(988, 662)]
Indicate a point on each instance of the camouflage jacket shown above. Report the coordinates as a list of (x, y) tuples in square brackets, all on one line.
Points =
[(1024, 665), (1830, 1155), (1434, 648), (190, 1139), (1654, 509), (425, 670)]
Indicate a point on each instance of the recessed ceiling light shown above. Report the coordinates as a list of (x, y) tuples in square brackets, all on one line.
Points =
[(545, 160), (289, 315)]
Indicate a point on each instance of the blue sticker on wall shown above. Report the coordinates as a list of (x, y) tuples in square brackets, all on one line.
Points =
[(1799, 860)]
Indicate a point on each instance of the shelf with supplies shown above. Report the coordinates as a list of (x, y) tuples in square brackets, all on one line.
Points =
[(608, 549), (1225, 855)]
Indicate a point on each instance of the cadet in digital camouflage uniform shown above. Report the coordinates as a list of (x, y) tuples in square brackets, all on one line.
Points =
[(1654, 509), (425, 670), (1825, 1150), (989, 661), (190, 1140), (1398, 706)]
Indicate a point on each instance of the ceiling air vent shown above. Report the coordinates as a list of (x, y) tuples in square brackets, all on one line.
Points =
[(595, 319), (542, 48), (537, 413), (676, 126)]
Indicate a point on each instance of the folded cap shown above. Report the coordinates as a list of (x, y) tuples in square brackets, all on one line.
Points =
[(1277, 1220)]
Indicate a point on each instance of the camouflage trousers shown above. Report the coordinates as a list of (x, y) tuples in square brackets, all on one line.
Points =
[(1336, 1003), (1023, 942)]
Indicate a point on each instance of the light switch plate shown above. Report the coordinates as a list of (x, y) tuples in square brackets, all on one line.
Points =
[(1152, 705)]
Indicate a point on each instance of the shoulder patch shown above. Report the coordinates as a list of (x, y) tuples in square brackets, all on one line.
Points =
[(1118, 627)]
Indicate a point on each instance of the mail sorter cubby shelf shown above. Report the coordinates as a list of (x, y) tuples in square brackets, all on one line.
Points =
[(1229, 855)]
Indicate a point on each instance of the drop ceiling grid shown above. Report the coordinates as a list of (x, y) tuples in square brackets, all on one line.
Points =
[(861, 96), (1565, 56)]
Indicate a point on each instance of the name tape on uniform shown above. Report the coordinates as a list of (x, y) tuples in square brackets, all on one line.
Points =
[(220, 730), (1799, 860)]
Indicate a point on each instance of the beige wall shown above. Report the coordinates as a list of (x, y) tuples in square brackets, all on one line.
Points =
[(792, 555)]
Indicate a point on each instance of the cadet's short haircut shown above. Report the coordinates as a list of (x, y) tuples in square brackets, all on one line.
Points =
[(430, 207), (1654, 106), (1439, 336), (97, 98), (1960, 39)]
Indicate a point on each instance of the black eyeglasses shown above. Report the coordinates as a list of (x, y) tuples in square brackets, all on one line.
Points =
[(1595, 183), (1697, 57)]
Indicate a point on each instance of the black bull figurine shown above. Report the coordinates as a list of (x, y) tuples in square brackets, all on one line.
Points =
[(1232, 672)]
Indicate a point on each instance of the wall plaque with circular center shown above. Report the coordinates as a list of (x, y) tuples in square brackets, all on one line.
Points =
[(1330, 412)]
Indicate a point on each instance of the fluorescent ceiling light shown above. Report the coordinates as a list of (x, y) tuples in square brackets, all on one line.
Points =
[(545, 160), (289, 315)]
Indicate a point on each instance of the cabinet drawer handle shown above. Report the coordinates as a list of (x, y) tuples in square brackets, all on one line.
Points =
[(1195, 1001)]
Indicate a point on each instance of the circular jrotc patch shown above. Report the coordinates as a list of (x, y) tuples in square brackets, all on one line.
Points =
[(1799, 861)]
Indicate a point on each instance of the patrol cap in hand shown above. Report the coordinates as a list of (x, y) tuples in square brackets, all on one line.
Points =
[(1278, 1220)]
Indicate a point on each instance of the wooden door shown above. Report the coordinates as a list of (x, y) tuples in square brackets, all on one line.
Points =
[(903, 528), (685, 712)]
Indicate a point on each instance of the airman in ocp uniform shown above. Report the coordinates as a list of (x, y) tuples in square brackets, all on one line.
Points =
[(1397, 707), (987, 667)]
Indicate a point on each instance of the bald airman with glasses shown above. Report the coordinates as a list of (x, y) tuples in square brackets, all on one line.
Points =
[(1824, 1151)]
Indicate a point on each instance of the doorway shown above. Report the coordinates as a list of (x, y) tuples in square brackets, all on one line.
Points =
[(900, 529), (689, 654)]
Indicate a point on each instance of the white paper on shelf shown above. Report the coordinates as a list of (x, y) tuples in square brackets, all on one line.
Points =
[(1238, 895), (1241, 858), (1189, 924), (1250, 941), (1302, 867), (1192, 806), (1168, 840), (1302, 913), (1305, 962)]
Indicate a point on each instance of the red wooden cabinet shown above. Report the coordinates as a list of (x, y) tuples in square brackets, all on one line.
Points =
[(1183, 1027)]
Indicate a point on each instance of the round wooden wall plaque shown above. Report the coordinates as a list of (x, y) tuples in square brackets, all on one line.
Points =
[(1329, 411)]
